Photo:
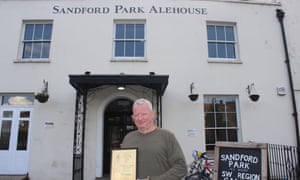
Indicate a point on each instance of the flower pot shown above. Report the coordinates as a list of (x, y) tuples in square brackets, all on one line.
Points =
[(42, 97), (254, 97)]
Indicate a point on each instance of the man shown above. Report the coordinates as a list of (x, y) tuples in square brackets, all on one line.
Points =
[(159, 154)]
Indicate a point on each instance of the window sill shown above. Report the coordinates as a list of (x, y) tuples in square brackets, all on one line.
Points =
[(225, 61), (128, 60), (32, 61)]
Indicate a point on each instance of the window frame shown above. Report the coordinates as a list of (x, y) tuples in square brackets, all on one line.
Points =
[(236, 59), (22, 99), (22, 42), (216, 127), (128, 58)]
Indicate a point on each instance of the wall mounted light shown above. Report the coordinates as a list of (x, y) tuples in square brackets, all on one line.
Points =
[(121, 87), (192, 96), (151, 73), (252, 93)]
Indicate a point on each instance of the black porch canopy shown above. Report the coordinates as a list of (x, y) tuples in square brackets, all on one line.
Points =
[(85, 82)]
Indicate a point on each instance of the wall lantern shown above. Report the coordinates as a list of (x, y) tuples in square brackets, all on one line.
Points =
[(252, 93), (43, 96), (193, 97), (121, 87)]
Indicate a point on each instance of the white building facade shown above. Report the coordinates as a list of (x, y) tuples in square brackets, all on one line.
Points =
[(80, 51)]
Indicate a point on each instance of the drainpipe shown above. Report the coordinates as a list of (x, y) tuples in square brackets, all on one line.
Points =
[(280, 15)]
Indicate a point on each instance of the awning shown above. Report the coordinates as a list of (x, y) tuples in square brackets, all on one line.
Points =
[(87, 81)]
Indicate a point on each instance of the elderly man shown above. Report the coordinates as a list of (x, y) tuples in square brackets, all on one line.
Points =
[(160, 156)]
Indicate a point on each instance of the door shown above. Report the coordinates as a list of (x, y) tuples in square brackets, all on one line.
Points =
[(14, 140), (117, 123)]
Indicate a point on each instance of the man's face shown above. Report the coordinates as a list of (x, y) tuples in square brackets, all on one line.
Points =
[(143, 117)]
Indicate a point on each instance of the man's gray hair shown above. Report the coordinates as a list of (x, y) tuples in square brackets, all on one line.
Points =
[(143, 101)]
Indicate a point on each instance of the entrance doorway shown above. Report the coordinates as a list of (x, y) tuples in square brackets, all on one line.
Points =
[(14, 139), (117, 123)]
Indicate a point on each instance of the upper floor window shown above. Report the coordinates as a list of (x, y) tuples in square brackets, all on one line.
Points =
[(36, 41), (129, 40), (221, 120), (222, 43)]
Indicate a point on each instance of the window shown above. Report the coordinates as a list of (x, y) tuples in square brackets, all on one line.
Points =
[(129, 40), (222, 43), (36, 41), (221, 120), (17, 100)]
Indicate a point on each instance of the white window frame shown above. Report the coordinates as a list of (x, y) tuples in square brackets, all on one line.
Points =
[(18, 99), (130, 59), (236, 44), (238, 128), (22, 41)]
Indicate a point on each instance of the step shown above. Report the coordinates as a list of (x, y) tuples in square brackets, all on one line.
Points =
[(14, 177)]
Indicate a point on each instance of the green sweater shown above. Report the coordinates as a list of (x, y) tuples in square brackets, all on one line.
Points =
[(159, 154)]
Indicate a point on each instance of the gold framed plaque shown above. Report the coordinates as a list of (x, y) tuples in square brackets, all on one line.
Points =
[(124, 164)]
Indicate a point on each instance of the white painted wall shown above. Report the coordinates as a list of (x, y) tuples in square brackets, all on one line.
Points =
[(176, 45)]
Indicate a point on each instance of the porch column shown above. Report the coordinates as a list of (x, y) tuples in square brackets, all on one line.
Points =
[(79, 132)]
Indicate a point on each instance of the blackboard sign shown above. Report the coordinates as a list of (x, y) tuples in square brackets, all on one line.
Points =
[(238, 161)]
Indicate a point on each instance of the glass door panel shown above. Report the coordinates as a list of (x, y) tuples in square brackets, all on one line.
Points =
[(5, 133), (23, 135)]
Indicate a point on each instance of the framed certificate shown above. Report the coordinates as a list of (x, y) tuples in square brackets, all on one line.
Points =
[(124, 164)]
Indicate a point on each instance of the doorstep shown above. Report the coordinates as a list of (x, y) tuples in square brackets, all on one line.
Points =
[(14, 177)]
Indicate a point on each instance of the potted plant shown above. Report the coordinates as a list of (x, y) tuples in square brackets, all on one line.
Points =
[(43, 96)]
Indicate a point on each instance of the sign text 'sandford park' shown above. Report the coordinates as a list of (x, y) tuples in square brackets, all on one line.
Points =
[(241, 161), (240, 164), (121, 9)]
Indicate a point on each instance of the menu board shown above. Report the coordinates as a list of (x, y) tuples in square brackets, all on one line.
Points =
[(238, 161)]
